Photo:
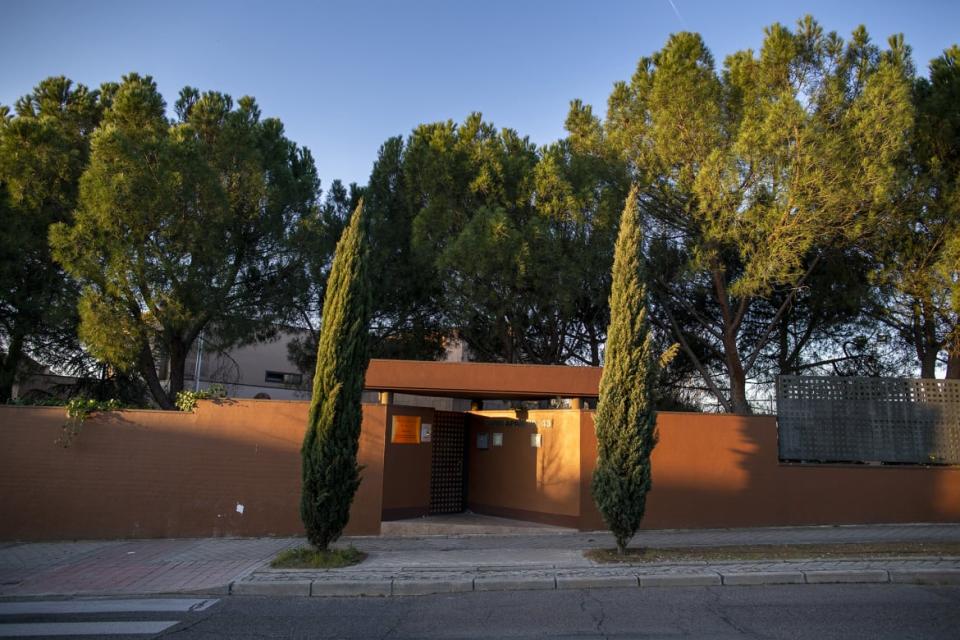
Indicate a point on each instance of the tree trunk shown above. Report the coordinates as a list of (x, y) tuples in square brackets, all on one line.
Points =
[(737, 376), (738, 392), (953, 355), (9, 366), (731, 326), (928, 360), (783, 344), (595, 344), (178, 364), (927, 344), (148, 370), (953, 365)]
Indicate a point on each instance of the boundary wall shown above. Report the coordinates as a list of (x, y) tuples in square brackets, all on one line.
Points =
[(232, 468)]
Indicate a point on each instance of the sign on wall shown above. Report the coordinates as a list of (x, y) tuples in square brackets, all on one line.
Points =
[(405, 430)]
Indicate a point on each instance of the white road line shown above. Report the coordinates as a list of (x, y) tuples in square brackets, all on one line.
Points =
[(53, 607), (29, 629)]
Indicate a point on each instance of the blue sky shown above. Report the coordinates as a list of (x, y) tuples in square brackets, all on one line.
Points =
[(345, 76)]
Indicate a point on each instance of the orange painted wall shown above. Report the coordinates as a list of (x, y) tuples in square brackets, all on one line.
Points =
[(722, 471), (406, 470), (149, 474), (166, 474), (518, 480)]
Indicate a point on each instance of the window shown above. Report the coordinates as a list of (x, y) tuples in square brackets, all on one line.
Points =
[(278, 377)]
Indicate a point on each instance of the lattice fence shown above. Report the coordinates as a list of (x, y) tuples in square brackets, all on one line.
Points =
[(837, 419)]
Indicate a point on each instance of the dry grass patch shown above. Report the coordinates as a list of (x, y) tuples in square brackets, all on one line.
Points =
[(310, 558), (775, 552)]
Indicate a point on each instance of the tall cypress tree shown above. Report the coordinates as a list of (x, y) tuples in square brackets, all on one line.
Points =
[(330, 471), (626, 422)]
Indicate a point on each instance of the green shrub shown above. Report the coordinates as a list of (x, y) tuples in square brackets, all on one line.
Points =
[(187, 400), (79, 408)]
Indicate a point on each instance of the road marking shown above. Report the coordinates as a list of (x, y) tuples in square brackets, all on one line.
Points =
[(52, 607), (30, 629)]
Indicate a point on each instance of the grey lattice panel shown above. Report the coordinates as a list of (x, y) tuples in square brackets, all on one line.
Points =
[(834, 419)]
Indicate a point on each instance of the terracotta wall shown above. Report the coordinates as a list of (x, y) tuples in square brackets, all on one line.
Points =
[(406, 470), (166, 474), (518, 480), (723, 471)]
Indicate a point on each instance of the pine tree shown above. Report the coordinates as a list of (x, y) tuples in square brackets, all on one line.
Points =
[(182, 226), (330, 471), (626, 422)]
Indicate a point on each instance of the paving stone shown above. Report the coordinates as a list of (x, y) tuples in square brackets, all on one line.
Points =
[(426, 587), (595, 582), (271, 588), (926, 576), (762, 577), (351, 588), (680, 580), (514, 583), (847, 576)]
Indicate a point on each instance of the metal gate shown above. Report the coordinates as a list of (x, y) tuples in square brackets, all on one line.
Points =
[(447, 477)]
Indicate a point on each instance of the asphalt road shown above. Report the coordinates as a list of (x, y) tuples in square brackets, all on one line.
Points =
[(789, 611)]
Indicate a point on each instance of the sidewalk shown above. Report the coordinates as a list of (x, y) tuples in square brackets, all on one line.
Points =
[(132, 567), (440, 564)]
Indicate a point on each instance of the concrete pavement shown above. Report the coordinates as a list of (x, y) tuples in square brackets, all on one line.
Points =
[(450, 564)]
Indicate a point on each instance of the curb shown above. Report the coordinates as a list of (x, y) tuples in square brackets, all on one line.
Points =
[(596, 582), (860, 576), (518, 583), (681, 580), (403, 586), (762, 577)]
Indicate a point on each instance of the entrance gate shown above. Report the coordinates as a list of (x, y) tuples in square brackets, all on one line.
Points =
[(447, 473)]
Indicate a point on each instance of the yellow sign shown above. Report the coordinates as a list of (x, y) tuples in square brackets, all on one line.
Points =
[(406, 430)]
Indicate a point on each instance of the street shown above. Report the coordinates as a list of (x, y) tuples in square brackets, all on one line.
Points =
[(788, 611)]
